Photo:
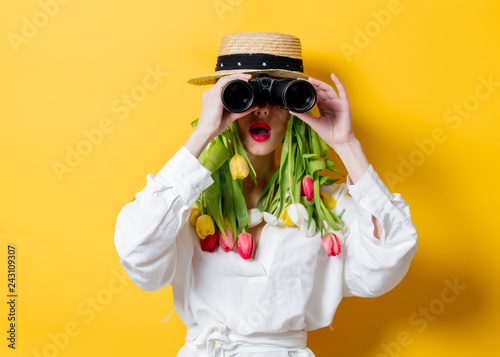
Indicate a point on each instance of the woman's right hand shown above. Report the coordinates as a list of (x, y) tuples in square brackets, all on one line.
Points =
[(214, 118)]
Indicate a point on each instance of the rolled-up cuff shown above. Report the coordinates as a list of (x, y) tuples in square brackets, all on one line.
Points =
[(186, 175), (369, 191)]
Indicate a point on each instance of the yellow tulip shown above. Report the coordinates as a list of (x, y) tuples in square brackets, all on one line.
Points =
[(239, 167), (286, 219), (330, 202), (195, 213), (205, 226)]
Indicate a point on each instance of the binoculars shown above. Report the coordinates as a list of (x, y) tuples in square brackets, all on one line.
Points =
[(298, 96)]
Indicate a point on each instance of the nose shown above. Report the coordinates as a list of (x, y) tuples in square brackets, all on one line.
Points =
[(263, 110)]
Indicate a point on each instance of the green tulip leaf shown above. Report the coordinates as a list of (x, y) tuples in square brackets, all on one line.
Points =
[(240, 205), (267, 188), (227, 197), (330, 182), (317, 203), (325, 149), (328, 217), (214, 155), (214, 203), (309, 156), (317, 165), (306, 203)]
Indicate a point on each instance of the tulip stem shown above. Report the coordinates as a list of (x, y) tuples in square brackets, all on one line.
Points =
[(201, 203), (268, 198), (290, 153), (235, 149)]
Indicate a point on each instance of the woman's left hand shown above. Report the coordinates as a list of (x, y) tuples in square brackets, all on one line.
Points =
[(334, 123)]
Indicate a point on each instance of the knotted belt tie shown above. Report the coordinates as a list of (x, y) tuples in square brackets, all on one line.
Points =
[(219, 339)]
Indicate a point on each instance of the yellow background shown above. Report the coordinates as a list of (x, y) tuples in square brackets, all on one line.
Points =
[(403, 81)]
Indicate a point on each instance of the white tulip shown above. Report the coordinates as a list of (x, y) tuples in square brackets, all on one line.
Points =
[(270, 218), (297, 213), (308, 232), (254, 217)]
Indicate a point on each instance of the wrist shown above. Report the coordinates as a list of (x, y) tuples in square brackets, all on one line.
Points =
[(197, 142), (352, 155), (345, 144)]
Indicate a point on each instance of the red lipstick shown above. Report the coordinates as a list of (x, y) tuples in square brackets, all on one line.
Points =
[(260, 131)]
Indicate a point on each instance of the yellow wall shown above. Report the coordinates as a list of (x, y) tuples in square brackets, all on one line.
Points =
[(425, 118)]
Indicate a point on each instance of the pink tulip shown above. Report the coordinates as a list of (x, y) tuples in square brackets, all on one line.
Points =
[(307, 187), (210, 243), (245, 245), (226, 243), (331, 243)]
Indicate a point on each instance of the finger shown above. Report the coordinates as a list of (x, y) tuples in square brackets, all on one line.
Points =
[(236, 116), (306, 117), (322, 87), (320, 84), (216, 90), (316, 83), (226, 79), (246, 112), (340, 86), (324, 96)]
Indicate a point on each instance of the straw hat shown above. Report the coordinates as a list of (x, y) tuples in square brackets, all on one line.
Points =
[(276, 54)]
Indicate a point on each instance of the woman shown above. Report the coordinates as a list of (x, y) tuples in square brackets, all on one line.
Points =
[(289, 285)]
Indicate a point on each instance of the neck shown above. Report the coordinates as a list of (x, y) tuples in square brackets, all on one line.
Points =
[(265, 167)]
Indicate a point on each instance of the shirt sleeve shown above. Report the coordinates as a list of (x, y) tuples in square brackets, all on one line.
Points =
[(374, 266), (146, 228)]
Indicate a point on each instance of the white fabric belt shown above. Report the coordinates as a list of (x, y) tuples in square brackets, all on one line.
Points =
[(218, 340)]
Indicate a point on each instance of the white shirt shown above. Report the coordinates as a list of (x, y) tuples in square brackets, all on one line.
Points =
[(237, 307)]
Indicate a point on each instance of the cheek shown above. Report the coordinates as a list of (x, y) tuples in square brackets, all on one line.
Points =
[(281, 124), (243, 125)]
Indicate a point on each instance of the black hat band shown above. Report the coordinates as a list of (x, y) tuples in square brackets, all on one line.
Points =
[(258, 61)]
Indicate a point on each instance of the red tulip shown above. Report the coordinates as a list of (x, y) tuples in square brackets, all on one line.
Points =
[(307, 187), (226, 243), (245, 245), (210, 243), (331, 243)]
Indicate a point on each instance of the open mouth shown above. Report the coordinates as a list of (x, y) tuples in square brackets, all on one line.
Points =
[(260, 131)]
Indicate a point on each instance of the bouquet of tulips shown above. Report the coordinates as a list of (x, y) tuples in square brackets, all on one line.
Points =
[(292, 196)]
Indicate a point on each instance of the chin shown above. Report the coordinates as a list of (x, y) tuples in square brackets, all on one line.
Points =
[(260, 151), (258, 148)]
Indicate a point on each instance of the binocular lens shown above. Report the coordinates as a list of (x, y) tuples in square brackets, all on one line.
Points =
[(299, 96), (237, 95)]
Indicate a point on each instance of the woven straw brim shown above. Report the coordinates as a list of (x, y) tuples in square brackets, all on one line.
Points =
[(272, 43), (211, 79)]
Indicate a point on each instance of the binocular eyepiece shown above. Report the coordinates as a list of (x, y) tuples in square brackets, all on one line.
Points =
[(298, 96)]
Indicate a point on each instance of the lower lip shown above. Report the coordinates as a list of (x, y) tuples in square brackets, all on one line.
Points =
[(260, 137)]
